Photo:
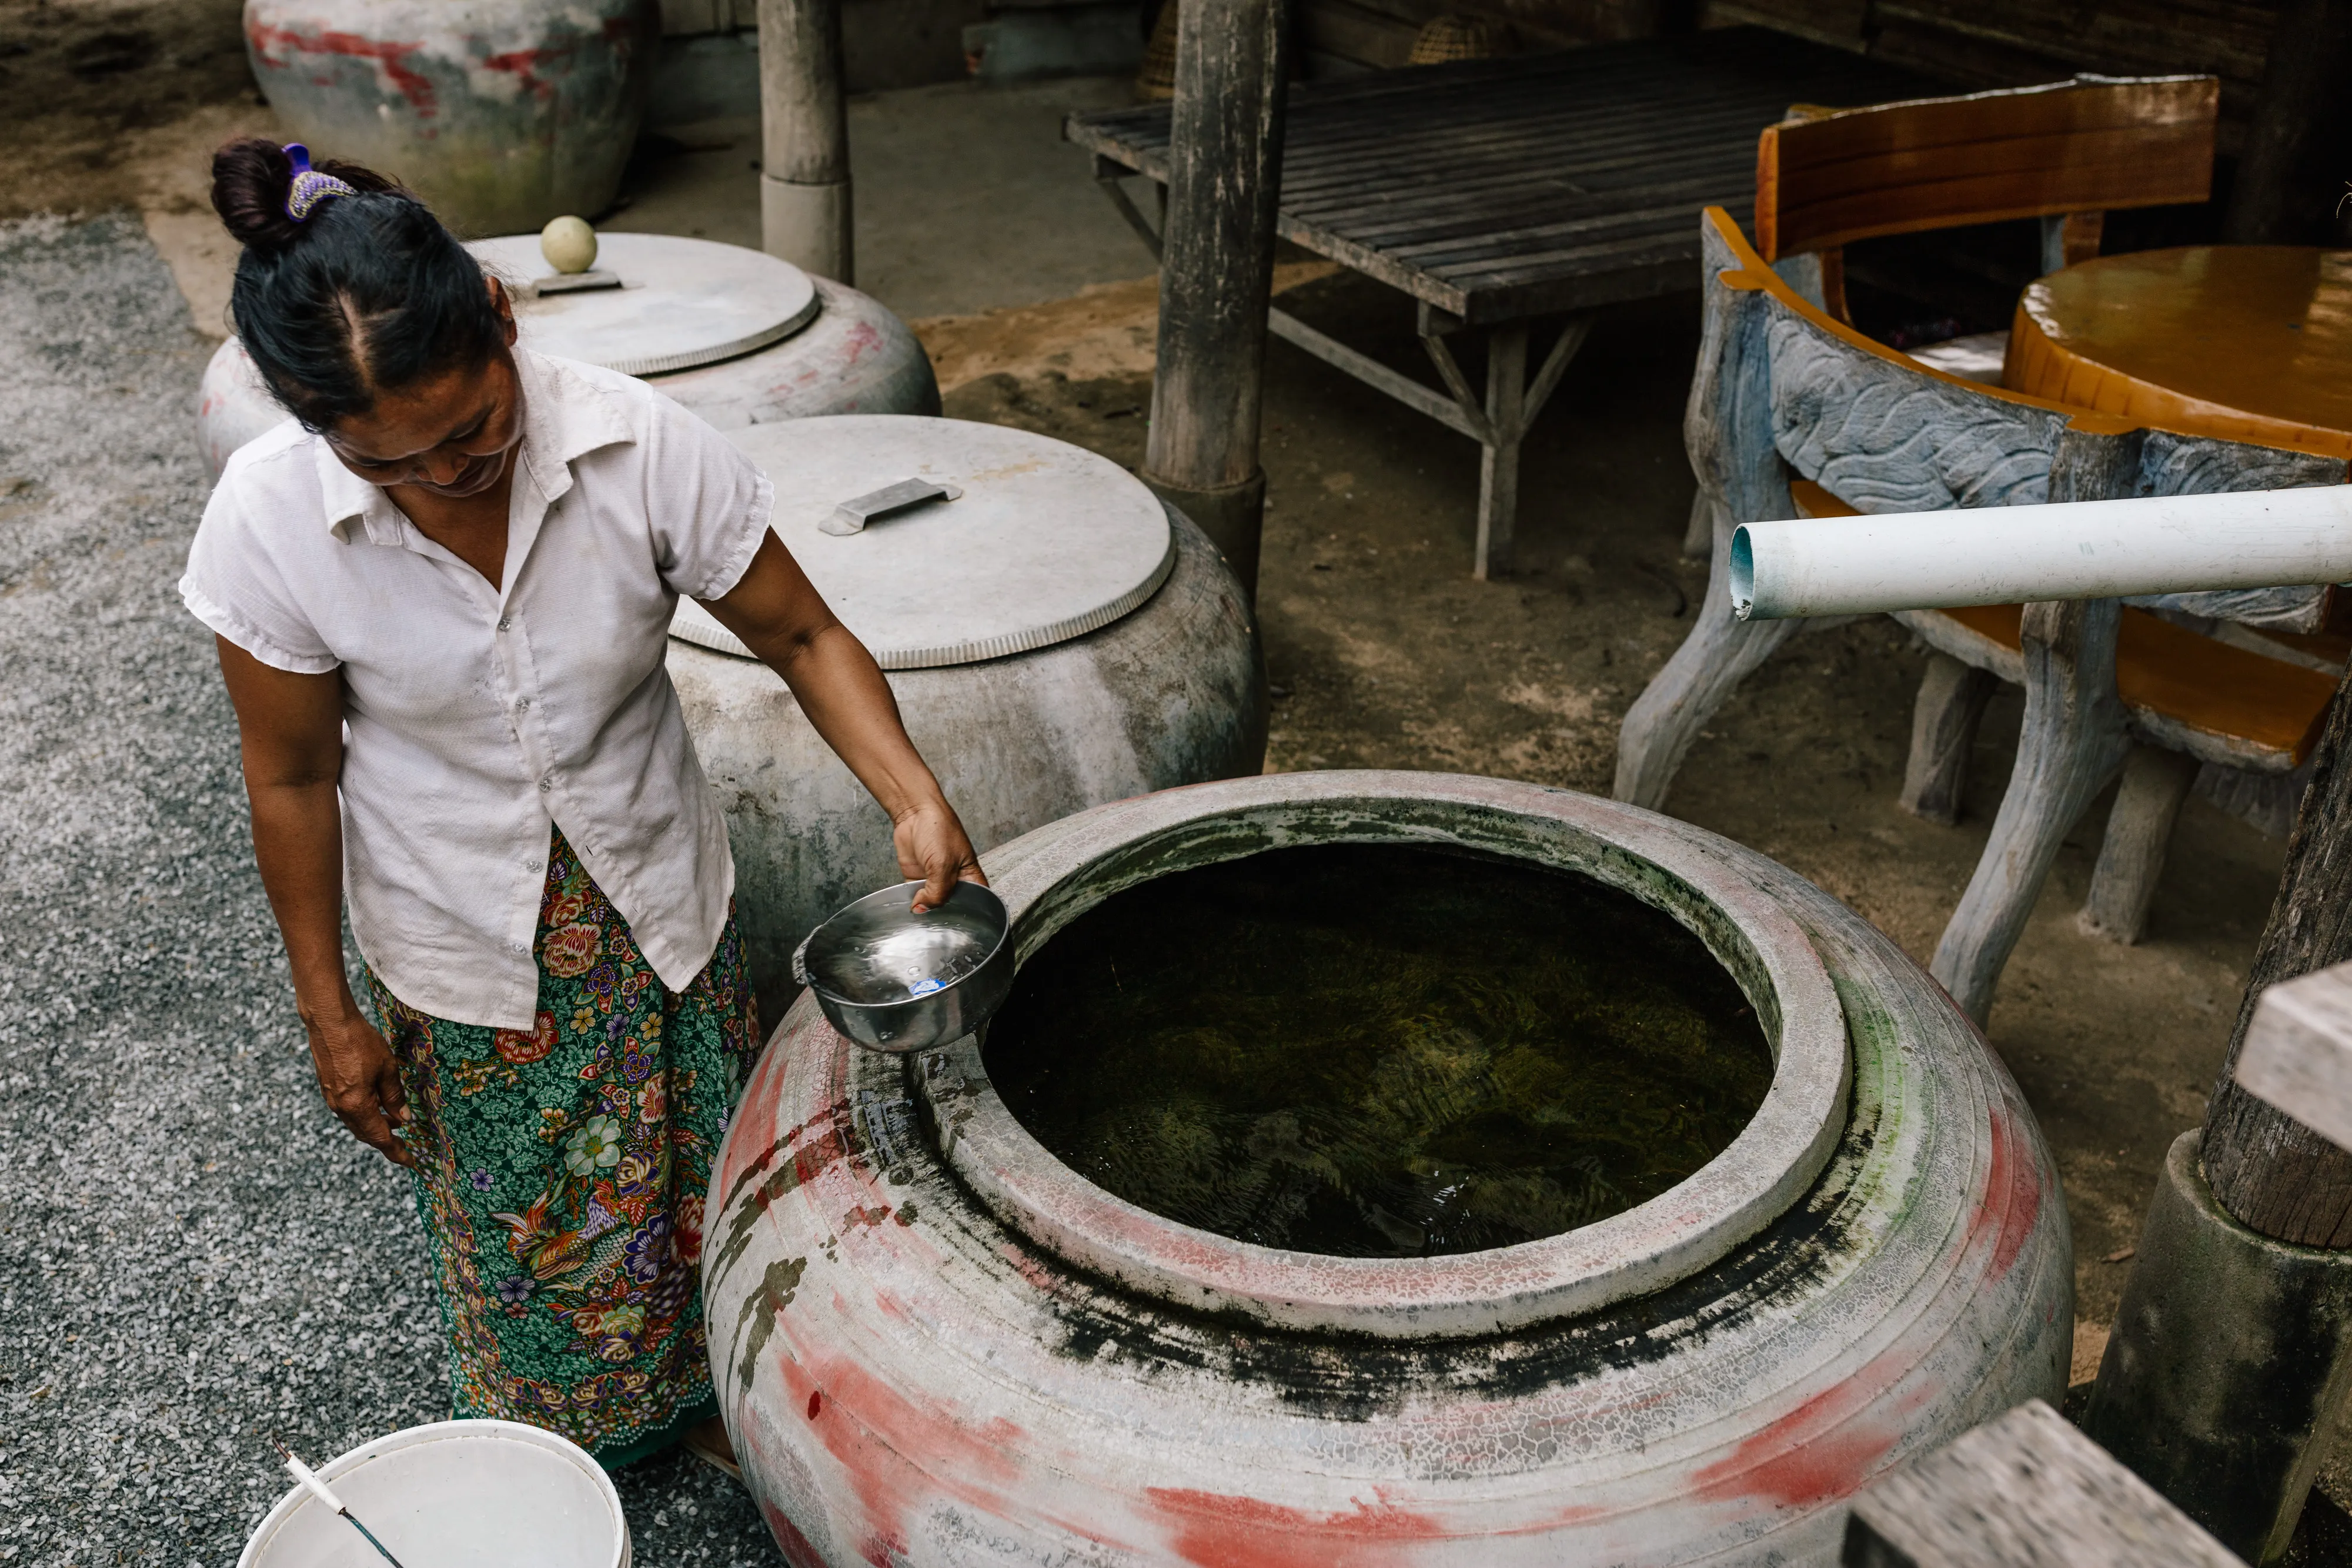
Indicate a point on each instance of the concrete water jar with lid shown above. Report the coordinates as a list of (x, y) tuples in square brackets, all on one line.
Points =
[(740, 337), (938, 1340), (500, 113), (1055, 635)]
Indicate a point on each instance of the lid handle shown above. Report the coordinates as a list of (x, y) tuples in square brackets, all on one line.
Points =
[(574, 283), (851, 517)]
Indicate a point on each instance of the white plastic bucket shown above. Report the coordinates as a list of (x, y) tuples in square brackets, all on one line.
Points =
[(456, 1494)]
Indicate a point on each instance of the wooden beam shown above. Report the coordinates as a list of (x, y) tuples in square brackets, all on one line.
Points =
[(1457, 413), (2298, 1052), (1216, 273), (2026, 1491)]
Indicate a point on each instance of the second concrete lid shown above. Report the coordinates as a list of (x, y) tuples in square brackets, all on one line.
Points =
[(1046, 541), (681, 302)]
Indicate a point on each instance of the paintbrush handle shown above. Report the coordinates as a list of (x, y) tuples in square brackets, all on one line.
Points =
[(325, 1494), (318, 1488)]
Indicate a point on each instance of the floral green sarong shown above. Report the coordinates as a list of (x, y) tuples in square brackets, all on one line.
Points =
[(561, 1178)]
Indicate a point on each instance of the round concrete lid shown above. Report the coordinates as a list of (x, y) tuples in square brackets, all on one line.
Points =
[(681, 302), (1044, 541)]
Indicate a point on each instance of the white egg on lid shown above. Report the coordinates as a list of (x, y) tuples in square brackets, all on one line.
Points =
[(569, 245)]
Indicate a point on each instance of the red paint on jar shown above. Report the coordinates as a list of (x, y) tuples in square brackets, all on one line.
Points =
[(1812, 1455), (268, 42), (525, 63), (2011, 1203), (1218, 1532)]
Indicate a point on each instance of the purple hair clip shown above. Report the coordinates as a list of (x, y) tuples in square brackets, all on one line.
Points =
[(311, 187)]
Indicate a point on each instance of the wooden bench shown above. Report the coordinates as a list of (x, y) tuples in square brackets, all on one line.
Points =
[(1498, 194)]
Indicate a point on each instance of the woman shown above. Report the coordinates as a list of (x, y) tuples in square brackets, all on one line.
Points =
[(441, 597)]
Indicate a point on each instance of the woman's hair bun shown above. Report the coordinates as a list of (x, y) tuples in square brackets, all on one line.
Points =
[(252, 177)]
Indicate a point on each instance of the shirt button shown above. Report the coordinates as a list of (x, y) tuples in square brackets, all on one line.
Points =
[(521, 702), (522, 947), (546, 785), (531, 866), (505, 622)]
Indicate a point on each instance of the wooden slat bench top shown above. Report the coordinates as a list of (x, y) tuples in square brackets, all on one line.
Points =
[(1497, 190)]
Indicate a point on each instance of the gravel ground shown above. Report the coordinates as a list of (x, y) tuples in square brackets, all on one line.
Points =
[(198, 1255)]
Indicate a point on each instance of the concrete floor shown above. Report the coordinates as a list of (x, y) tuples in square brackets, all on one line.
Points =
[(976, 221), (964, 195)]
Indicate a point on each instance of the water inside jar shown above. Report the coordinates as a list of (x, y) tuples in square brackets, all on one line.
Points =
[(1374, 1050)]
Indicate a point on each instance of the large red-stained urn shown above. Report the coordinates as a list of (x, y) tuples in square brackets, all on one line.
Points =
[(936, 1344)]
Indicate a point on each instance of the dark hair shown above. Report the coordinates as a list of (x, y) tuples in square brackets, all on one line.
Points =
[(370, 295)]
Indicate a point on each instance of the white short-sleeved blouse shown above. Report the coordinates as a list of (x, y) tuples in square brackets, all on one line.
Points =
[(475, 716)]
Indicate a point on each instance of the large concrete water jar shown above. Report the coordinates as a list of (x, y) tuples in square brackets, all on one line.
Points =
[(740, 337), (936, 1342), (1056, 638), (500, 113)]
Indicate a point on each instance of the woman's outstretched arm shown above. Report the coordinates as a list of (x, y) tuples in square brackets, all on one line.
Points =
[(780, 616), (290, 734)]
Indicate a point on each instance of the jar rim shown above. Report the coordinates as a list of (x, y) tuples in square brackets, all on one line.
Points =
[(1050, 877)]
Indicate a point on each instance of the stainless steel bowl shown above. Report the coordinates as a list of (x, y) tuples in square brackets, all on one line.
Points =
[(894, 981)]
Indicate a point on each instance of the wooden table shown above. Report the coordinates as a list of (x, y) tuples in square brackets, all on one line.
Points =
[(2246, 343), (1495, 192)]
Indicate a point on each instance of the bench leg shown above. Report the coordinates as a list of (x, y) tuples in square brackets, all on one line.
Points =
[(2070, 745), (2131, 857), (1499, 462), (1719, 653), (1952, 697)]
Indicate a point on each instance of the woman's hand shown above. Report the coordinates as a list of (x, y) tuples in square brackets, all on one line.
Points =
[(931, 844), (780, 616), (361, 1080)]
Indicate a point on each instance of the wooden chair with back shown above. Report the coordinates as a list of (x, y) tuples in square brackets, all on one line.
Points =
[(2067, 154), (1794, 413)]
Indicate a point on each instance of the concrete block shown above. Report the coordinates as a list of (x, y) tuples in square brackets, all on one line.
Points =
[(2229, 1357)]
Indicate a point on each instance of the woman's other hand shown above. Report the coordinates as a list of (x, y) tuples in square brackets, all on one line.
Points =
[(291, 731), (361, 1082), (932, 845)]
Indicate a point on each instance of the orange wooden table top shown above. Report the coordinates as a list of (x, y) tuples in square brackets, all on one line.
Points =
[(2246, 343)]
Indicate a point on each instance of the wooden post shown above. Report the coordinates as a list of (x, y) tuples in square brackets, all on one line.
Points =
[(1217, 274), (2293, 173), (805, 215), (2232, 1345), (2274, 1174), (2021, 1491)]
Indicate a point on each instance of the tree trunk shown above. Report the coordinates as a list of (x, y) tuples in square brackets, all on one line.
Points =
[(2274, 1174), (1216, 271)]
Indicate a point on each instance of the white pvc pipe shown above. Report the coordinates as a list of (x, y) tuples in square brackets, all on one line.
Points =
[(2014, 555)]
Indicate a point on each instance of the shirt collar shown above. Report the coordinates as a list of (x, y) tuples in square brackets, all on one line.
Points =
[(565, 417)]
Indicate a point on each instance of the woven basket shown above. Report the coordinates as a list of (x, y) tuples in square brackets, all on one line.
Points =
[(1156, 82), (1454, 36)]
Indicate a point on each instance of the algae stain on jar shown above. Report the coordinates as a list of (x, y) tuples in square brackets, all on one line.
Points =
[(1379, 1050)]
